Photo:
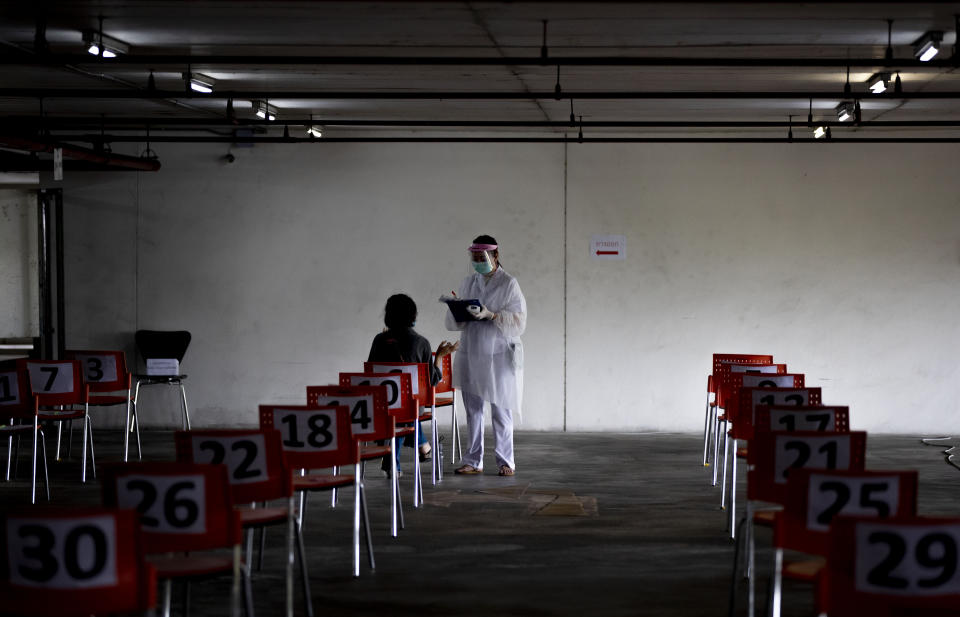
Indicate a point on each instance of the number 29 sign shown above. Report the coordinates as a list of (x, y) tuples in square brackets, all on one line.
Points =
[(907, 560)]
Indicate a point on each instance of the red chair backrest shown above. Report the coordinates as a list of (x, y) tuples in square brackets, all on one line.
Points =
[(55, 382), (182, 506), (368, 408), (814, 498), (254, 460), (773, 455), (721, 368), (817, 418), (906, 566), (104, 371), (731, 391), (722, 359), (446, 371), (73, 561), (400, 402), (313, 437), (16, 400), (419, 376), (751, 397)]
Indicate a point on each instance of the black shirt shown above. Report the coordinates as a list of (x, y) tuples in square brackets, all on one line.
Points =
[(404, 346)]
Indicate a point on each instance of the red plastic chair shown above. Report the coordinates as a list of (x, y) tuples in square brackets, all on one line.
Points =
[(721, 362), (322, 438), (372, 425), (773, 455), (42, 573), (743, 429), (735, 384), (814, 498), (403, 408), (728, 379), (61, 395), (892, 568), (183, 508), (449, 399), (258, 473), (425, 394), (19, 408), (110, 385)]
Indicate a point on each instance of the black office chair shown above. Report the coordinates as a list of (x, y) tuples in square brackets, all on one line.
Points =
[(159, 344)]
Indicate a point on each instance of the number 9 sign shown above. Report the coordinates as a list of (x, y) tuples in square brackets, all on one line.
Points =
[(55, 553)]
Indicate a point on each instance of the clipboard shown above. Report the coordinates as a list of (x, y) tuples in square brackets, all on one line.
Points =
[(459, 309)]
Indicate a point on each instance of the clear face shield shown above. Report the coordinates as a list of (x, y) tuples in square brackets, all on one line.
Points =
[(482, 258)]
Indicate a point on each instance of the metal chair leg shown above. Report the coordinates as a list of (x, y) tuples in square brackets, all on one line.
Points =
[(356, 520), (706, 430), (83, 464), (46, 473), (777, 583), (368, 535), (733, 491), (416, 467), (186, 411), (723, 479), (394, 488), (304, 576)]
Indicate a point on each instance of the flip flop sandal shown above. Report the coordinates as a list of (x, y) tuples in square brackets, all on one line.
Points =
[(505, 470), (467, 470)]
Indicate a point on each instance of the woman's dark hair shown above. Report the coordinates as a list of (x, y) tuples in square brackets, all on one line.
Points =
[(400, 312)]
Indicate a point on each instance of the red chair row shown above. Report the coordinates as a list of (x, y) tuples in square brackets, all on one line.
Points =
[(867, 550)]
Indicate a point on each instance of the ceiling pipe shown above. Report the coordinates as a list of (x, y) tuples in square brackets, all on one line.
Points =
[(155, 60), (159, 123), (69, 93), (510, 139), (82, 154)]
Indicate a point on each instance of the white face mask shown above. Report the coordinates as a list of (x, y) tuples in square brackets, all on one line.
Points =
[(482, 267)]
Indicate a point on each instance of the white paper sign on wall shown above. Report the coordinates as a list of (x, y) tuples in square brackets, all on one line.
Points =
[(610, 248)]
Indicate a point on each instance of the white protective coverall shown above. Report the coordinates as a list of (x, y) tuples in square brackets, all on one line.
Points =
[(489, 364)]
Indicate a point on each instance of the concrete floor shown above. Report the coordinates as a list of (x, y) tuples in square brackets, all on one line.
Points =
[(592, 524)]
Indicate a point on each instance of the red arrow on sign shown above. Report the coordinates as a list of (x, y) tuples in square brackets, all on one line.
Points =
[(608, 252)]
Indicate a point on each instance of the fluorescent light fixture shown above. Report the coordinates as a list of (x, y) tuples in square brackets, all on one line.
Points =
[(845, 111), (927, 46), (820, 132), (99, 44), (315, 131), (265, 111), (878, 82), (200, 82)]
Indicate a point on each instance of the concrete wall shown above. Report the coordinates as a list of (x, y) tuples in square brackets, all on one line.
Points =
[(19, 290), (843, 261)]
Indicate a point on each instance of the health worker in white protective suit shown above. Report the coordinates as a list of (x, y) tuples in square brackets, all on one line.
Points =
[(489, 365)]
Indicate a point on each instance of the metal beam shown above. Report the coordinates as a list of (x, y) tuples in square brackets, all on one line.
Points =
[(513, 139), (183, 60), (69, 93), (159, 123)]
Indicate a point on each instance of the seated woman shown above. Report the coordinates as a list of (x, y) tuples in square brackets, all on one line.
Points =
[(399, 342)]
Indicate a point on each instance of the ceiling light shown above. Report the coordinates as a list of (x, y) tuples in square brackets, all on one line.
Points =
[(265, 111), (99, 44), (200, 82), (315, 131), (878, 82), (820, 132), (846, 112), (927, 46)]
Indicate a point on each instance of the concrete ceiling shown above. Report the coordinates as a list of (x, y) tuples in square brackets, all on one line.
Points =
[(791, 51)]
